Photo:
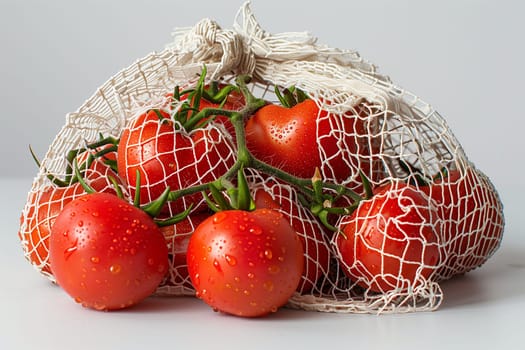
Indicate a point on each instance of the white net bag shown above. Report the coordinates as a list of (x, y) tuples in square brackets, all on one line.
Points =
[(432, 214)]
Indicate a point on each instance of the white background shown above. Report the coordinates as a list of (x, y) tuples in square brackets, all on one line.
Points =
[(464, 57)]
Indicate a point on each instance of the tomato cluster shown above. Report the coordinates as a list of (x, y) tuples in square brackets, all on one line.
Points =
[(246, 202)]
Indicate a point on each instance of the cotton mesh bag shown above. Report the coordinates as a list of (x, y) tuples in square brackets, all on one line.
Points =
[(385, 134)]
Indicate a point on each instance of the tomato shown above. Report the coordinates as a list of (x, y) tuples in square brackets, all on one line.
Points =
[(302, 138), (37, 220), (391, 242), (283, 199), (43, 207), (472, 217), (165, 156), (177, 238), (245, 263), (106, 253)]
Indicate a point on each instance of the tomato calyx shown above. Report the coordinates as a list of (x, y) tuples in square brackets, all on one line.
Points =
[(236, 198), (185, 104), (290, 96)]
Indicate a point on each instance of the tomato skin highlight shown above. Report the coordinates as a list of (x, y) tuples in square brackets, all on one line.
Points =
[(392, 241), (105, 253), (245, 263)]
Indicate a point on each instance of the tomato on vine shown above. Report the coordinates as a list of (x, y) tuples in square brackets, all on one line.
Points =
[(106, 253), (245, 263), (166, 155), (299, 137), (391, 241)]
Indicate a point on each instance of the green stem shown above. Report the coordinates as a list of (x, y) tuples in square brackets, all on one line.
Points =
[(245, 158)]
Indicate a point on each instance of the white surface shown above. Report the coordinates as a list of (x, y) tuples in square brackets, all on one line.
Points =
[(464, 57), (481, 310)]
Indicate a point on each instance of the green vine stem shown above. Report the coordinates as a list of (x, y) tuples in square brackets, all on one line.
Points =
[(311, 188)]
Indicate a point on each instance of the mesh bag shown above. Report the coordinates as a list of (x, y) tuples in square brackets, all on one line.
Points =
[(382, 132)]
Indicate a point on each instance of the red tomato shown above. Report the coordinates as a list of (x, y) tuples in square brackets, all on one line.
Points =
[(302, 138), (36, 222), (44, 206), (472, 216), (391, 242), (106, 253), (316, 252), (165, 156), (245, 263)]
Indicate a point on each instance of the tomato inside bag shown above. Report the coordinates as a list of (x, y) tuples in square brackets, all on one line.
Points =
[(401, 207)]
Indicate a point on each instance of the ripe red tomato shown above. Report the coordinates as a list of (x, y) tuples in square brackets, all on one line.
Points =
[(316, 252), (106, 253), (165, 156), (391, 242), (302, 138), (472, 217), (245, 263), (45, 205), (36, 222)]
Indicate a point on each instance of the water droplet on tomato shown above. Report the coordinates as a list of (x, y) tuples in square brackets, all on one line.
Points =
[(274, 269), (219, 217), (95, 214), (78, 300), (256, 230), (231, 260), (115, 269), (80, 223), (70, 250), (151, 261), (268, 285), (217, 265), (246, 292), (99, 306), (251, 275), (268, 254), (95, 259), (132, 251), (129, 231)]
